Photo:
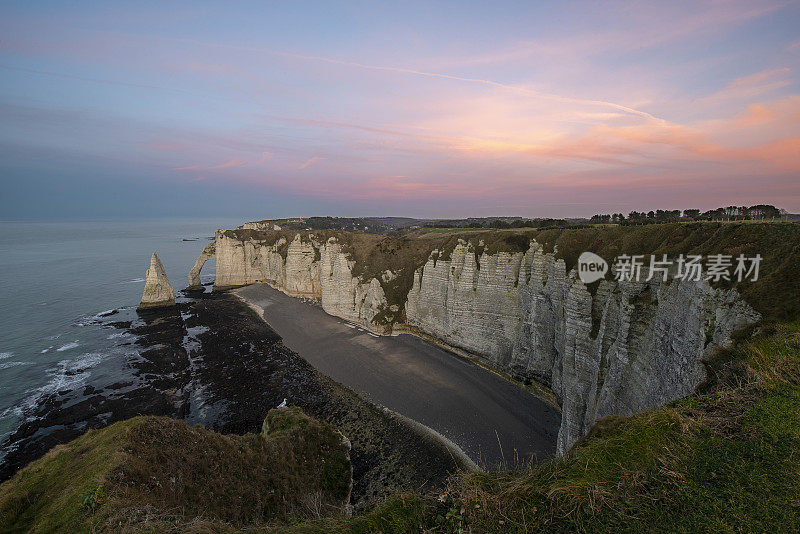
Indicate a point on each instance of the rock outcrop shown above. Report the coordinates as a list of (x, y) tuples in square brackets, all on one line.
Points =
[(619, 349), (157, 289)]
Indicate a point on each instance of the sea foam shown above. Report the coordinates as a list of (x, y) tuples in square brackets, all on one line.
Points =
[(6, 365), (68, 346)]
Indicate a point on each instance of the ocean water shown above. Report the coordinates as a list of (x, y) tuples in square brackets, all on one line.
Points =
[(59, 279)]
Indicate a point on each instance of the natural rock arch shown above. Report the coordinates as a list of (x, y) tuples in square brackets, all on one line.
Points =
[(209, 253)]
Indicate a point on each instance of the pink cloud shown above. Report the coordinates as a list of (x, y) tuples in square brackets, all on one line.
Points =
[(233, 163), (641, 26), (392, 187), (309, 162), (216, 68), (756, 114), (513, 88), (751, 86), (396, 186), (784, 154)]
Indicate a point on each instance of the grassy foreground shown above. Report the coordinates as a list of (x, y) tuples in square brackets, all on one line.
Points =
[(156, 474), (726, 459), (723, 460)]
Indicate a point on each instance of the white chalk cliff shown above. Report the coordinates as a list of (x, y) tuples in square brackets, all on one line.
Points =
[(631, 347), (305, 267), (157, 289), (628, 348)]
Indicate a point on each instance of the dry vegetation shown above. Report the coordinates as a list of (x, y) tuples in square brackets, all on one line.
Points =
[(156, 474)]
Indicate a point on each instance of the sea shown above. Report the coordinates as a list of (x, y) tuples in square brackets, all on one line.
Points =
[(62, 282)]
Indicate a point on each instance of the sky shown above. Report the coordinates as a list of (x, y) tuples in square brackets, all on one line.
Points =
[(422, 109)]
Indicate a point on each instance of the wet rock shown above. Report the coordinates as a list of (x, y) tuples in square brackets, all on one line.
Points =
[(212, 361)]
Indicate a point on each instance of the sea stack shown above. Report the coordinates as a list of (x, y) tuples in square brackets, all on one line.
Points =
[(157, 289)]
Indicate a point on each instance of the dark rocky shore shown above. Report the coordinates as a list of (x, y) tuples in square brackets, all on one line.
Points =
[(212, 361)]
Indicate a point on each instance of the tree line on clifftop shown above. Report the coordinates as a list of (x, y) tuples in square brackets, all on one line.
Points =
[(758, 212)]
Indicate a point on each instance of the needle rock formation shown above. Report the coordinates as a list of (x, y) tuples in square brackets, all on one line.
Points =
[(157, 289)]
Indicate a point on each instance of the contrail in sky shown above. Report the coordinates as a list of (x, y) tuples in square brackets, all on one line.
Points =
[(355, 64), (401, 70)]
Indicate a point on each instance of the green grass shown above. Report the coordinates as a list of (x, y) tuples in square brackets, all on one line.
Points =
[(401, 513), (727, 460), (154, 474), (46, 496)]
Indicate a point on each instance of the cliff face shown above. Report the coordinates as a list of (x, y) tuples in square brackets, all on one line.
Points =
[(345, 295), (629, 347), (304, 267)]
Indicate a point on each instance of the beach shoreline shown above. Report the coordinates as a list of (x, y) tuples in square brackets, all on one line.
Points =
[(492, 420)]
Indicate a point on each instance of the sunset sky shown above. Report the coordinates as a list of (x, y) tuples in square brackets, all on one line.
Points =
[(427, 109)]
